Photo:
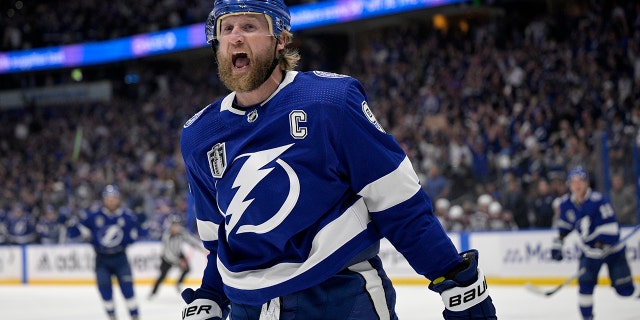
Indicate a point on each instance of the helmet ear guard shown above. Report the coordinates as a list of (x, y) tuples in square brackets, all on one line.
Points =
[(210, 29), (277, 12)]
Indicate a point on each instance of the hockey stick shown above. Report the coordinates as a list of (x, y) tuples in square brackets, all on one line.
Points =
[(580, 272), (547, 293)]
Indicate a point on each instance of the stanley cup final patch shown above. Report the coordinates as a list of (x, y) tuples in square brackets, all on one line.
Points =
[(217, 160)]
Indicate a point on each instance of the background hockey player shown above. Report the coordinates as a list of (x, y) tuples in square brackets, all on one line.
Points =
[(592, 216), (295, 183), (110, 229)]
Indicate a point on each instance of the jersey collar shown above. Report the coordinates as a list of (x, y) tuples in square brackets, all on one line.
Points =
[(587, 195), (227, 102)]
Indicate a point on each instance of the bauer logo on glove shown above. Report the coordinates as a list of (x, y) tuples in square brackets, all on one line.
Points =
[(464, 291), (461, 298)]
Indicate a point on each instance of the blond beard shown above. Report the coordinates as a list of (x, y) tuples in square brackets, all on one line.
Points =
[(260, 71)]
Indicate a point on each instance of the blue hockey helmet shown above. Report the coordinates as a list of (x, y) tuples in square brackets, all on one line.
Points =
[(276, 10), (578, 172), (110, 190)]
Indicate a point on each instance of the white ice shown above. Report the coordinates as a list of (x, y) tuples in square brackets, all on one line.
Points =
[(25, 302)]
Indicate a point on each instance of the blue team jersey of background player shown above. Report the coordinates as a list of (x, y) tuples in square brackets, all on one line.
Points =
[(594, 220), (291, 191), (110, 232)]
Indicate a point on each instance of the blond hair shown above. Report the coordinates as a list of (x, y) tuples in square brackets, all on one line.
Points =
[(288, 57)]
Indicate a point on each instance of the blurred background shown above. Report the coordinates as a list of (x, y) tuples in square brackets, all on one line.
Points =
[(493, 101)]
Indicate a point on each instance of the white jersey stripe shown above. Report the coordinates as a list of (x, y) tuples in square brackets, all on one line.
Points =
[(611, 229), (392, 189), (207, 230), (373, 285), (331, 238)]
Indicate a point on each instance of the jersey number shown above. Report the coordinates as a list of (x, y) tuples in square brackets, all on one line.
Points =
[(606, 211)]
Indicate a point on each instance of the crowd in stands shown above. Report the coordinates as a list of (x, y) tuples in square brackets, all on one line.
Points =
[(36, 24), (491, 116)]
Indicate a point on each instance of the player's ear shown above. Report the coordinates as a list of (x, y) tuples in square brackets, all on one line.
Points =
[(282, 41)]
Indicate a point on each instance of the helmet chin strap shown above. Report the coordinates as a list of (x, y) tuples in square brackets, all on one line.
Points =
[(274, 63)]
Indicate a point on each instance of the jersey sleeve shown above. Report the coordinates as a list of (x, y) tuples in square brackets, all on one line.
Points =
[(80, 229), (134, 227), (606, 229), (381, 173), (208, 220), (566, 221)]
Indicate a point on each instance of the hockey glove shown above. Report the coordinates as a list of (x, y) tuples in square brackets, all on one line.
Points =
[(464, 291), (201, 308), (556, 249)]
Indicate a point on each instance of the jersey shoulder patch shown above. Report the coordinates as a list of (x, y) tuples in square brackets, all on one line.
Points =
[(195, 117), (324, 74), (370, 116)]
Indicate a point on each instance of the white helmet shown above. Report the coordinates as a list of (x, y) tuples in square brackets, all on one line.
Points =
[(484, 200), (456, 212), (495, 208), (443, 203)]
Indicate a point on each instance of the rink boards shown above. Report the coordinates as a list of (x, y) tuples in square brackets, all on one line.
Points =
[(506, 257)]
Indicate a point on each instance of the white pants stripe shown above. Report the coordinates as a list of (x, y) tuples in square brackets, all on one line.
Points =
[(374, 287)]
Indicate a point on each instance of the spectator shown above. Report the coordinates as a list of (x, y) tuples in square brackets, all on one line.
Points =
[(499, 219), (624, 201), (542, 205), (436, 184), (457, 221), (479, 219), (3, 228), (161, 219), (515, 203), (21, 225), (441, 211), (50, 227)]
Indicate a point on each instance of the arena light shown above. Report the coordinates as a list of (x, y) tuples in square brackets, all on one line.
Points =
[(304, 16), (334, 12)]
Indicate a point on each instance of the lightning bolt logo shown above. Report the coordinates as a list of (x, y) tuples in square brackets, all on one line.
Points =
[(112, 237), (249, 176)]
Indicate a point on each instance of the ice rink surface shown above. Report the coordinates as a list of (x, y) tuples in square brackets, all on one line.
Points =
[(82, 302)]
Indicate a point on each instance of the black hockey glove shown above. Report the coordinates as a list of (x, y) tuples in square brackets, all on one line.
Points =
[(464, 291), (556, 249), (200, 307)]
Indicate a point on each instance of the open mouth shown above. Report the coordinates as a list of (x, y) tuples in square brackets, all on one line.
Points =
[(240, 60)]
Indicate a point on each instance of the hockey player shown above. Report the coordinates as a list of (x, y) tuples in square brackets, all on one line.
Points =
[(295, 183), (110, 229), (172, 240), (592, 216)]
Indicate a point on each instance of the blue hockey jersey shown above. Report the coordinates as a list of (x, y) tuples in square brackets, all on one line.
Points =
[(288, 192), (594, 220), (109, 232)]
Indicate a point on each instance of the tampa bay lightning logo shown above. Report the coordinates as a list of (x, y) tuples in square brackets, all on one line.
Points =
[(253, 171), (112, 236)]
